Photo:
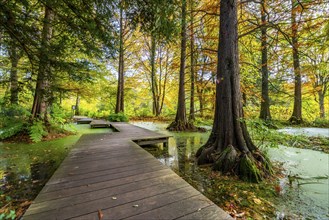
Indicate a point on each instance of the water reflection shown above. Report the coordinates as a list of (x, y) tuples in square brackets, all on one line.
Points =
[(307, 198), (25, 168)]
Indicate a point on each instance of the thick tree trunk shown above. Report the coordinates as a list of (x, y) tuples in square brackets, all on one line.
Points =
[(265, 102), (181, 123), (229, 146), (296, 117), (120, 90), (39, 108), (192, 111)]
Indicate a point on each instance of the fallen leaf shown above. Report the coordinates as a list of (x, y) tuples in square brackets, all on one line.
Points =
[(26, 203), (240, 215), (100, 214), (257, 201)]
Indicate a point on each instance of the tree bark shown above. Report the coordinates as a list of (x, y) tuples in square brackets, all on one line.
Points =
[(154, 84), (192, 110), (39, 107), (181, 123), (14, 55), (265, 102), (229, 147), (77, 105), (120, 90), (296, 117), (14, 58)]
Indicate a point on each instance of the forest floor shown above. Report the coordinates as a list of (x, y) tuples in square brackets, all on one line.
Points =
[(242, 200)]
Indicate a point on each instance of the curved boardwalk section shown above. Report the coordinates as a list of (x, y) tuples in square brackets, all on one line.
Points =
[(108, 176)]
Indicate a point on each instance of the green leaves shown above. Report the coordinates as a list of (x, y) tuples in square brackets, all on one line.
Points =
[(37, 131), (10, 215), (156, 17), (120, 117)]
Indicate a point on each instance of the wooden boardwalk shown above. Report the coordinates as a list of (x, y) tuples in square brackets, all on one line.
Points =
[(109, 175)]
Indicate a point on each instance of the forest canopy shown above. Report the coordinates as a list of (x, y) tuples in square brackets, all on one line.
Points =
[(105, 57)]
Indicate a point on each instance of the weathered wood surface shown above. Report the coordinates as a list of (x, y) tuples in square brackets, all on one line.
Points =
[(84, 120), (99, 124), (112, 175)]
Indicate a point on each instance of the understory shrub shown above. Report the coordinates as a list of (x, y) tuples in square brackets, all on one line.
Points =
[(120, 117), (12, 120), (321, 123), (37, 131)]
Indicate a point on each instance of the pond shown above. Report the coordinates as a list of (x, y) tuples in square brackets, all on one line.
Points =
[(310, 132), (25, 168), (305, 198)]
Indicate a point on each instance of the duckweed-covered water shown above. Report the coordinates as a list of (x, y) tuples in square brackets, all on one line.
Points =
[(310, 132), (24, 168), (307, 197)]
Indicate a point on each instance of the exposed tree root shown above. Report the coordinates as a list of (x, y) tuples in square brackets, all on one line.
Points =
[(251, 166), (184, 126), (295, 121)]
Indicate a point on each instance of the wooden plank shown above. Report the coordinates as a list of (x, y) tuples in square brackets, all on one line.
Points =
[(84, 121), (110, 172), (151, 141), (74, 210), (44, 195), (129, 209), (81, 176), (88, 181), (210, 212), (176, 209), (99, 124), (116, 191)]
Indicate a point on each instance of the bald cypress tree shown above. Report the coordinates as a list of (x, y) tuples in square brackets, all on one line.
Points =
[(229, 147)]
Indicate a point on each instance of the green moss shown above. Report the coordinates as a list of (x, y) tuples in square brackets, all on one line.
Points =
[(248, 169), (226, 160)]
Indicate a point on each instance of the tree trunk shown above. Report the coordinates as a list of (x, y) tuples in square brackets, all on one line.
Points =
[(199, 89), (296, 117), (201, 104), (14, 55), (165, 80), (39, 108), (14, 58), (265, 102), (154, 85), (192, 111), (77, 105), (120, 90), (229, 147), (181, 123)]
